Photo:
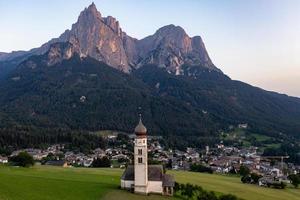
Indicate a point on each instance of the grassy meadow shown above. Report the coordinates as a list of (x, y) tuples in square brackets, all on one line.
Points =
[(232, 184), (45, 183)]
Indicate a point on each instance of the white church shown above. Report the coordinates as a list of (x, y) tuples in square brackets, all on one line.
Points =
[(141, 177)]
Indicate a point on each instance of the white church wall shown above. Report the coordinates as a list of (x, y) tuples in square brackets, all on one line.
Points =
[(126, 184), (155, 187), (140, 169), (141, 174), (141, 189)]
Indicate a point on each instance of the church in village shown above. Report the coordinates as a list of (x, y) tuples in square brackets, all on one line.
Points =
[(141, 177)]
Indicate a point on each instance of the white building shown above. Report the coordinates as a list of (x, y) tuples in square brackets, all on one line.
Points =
[(3, 160), (141, 177)]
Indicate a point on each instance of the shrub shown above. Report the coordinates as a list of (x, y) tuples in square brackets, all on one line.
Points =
[(101, 162), (189, 191), (200, 168), (295, 179), (207, 196), (228, 197), (251, 178), (246, 179), (255, 177)]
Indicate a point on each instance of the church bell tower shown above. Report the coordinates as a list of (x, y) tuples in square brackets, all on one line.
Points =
[(140, 159)]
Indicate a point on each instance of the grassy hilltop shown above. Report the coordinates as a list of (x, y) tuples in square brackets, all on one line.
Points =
[(45, 183)]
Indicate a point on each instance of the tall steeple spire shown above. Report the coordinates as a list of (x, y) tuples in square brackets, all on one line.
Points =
[(140, 158)]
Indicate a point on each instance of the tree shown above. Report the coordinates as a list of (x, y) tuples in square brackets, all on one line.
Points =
[(101, 162), (295, 179), (169, 164), (22, 159), (244, 170)]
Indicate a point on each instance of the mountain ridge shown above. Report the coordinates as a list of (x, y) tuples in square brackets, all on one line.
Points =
[(103, 39), (201, 103)]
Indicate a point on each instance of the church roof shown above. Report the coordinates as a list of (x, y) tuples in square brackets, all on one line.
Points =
[(140, 128), (155, 173), (55, 162), (128, 174), (168, 180)]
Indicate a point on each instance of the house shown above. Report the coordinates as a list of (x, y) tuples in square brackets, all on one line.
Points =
[(264, 181), (243, 126), (271, 179), (59, 163), (87, 162), (3, 160), (141, 177)]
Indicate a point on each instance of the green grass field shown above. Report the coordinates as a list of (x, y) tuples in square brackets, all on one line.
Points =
[(232, 184), (40, 182), (241, 135), (56, 183)]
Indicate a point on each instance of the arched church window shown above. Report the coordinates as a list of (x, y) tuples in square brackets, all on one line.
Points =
[(140, 160)]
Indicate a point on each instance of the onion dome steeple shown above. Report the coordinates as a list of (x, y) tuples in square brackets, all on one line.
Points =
[(140, 129)]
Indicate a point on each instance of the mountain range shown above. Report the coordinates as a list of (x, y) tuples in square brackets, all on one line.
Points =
[(94, 77), (102, 39)]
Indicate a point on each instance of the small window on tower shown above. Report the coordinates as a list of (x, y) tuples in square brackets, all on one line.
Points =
[(140, 160), (140, 151), (144, 141)]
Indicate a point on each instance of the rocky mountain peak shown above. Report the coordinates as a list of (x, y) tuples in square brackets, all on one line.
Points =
[(102, 38), (171, 47), (170, 29), (174, 36), (99, 37), (90, 15), (92, 11)]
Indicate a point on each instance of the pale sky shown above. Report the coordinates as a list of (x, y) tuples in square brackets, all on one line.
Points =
[(255, 41)]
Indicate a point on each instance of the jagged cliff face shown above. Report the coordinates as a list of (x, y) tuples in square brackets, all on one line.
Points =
[(56, 54), (103, 39), (170, 47), (98, 37)]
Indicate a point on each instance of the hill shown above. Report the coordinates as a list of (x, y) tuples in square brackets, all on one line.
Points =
[(42, 182), (197, 103), (90, 95), (53, 92), (225, 100)]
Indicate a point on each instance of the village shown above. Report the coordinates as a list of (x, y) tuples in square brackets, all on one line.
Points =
[(219, 158)]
